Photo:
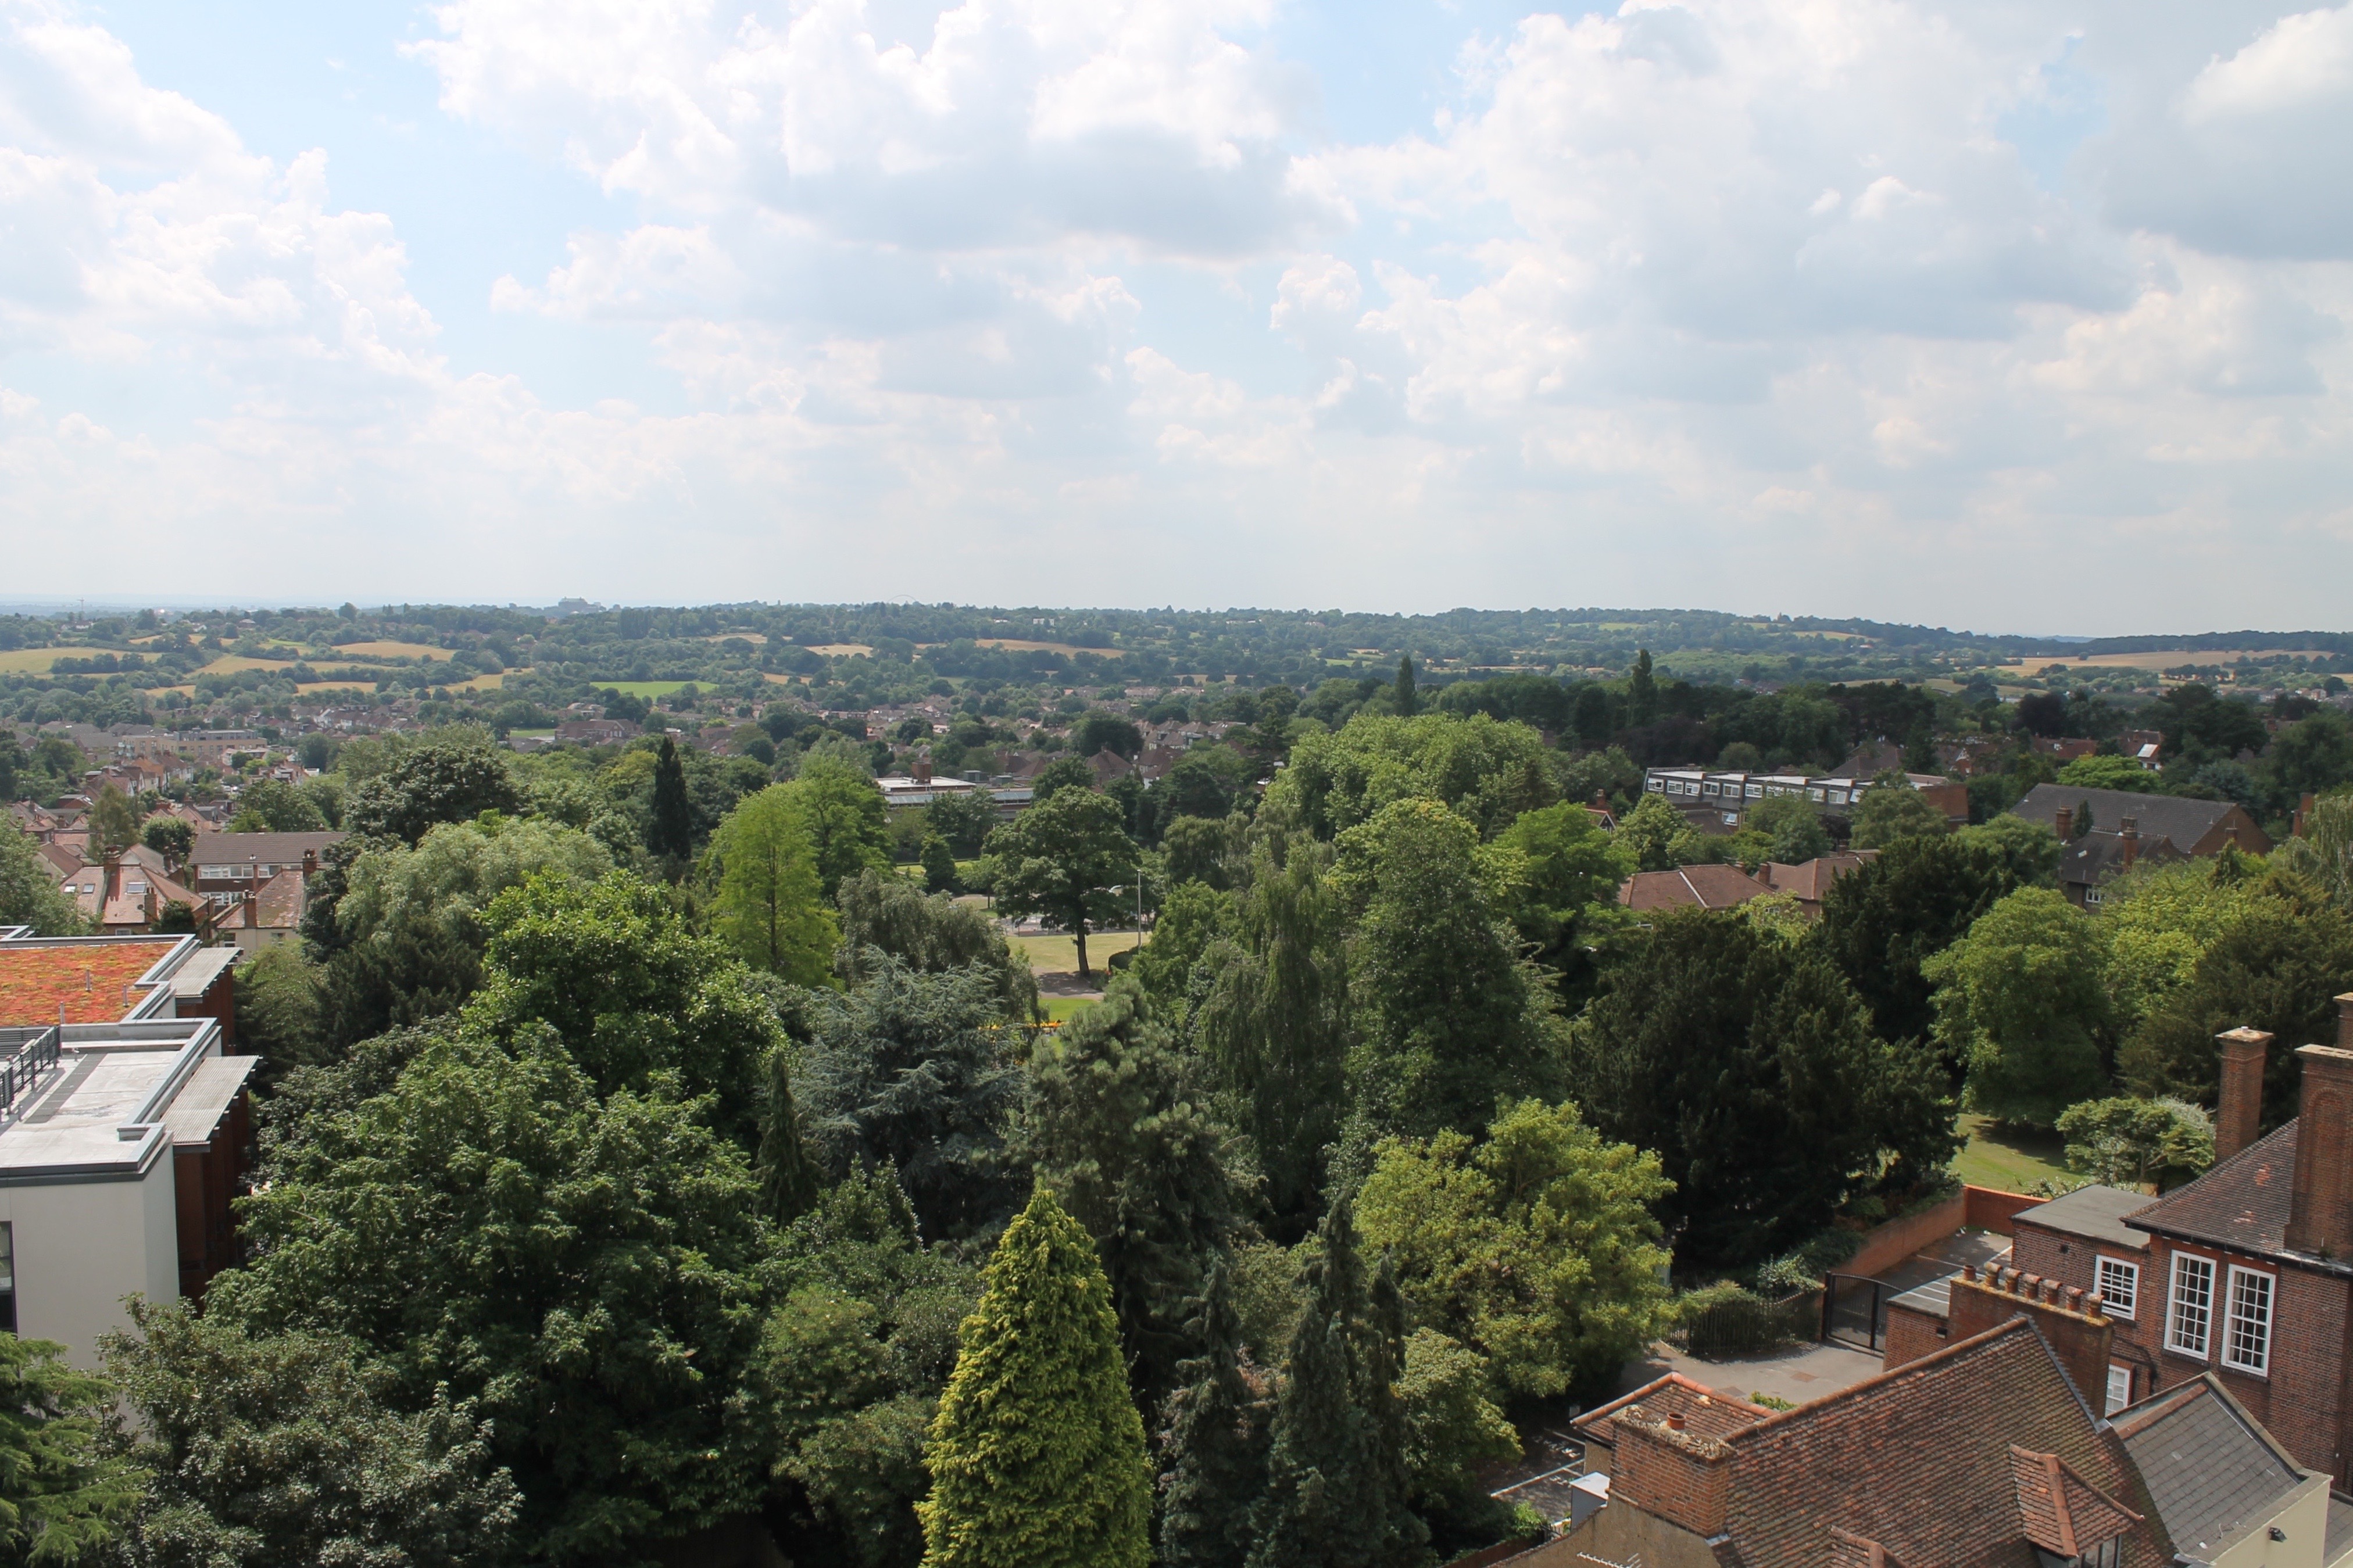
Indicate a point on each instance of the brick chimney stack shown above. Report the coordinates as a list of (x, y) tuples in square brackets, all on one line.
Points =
[(2320, 1210), (2064, 824), (2129, 833), (2078, 1332), (112, 889), (1672, 1474), (2239, 1112), (2303, 815)]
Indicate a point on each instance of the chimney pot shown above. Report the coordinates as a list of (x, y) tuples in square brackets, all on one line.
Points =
[(2239, 1109), (2128, 835), (2064, 823), (1674, 1423)]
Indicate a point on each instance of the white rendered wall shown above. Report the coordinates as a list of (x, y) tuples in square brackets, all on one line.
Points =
[(82, 1247)]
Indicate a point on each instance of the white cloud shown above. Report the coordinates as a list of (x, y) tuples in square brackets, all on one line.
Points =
[(1721, 302)]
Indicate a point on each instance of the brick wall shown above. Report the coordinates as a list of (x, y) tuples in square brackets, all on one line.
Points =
[(1911, 1334), (1682, 1479), (2303, 1401)]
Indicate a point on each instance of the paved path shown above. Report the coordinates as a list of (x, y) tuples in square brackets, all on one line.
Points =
[(1799, 1374)]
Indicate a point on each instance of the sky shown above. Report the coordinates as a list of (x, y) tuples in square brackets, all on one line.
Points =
[(2020, 317)]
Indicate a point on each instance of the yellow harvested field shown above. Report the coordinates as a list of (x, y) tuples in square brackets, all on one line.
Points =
[(36, 660), (756, 639), (1060, 954), (2166, 658), (393, 649), (1026, 644), (840, 649), (312, 688)]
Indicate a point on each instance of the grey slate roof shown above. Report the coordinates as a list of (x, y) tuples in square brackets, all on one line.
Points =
[(2183, 820), (2100, 855), (2211, 1470), (2096, 1213), (258, 849)]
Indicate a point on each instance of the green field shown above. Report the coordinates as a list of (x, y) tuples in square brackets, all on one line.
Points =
[(647, 689), (1060, 954), (1062, 1009), (2009, 1159)]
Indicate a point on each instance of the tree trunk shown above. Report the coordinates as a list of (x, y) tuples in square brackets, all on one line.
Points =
[(1079, 929)]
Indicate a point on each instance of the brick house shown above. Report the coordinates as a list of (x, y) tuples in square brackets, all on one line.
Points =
[(1689, 887), (1980, 1452), (2243, 1276)]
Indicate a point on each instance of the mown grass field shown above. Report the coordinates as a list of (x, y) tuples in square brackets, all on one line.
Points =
[(647, 689), (2008, 1158), (1057, 955)]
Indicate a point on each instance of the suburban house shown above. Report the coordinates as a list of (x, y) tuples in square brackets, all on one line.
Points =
[(1979, 1449), (229, 867), (1720, 886), (124, 1129), (1809, 882), (2244, 1277), (2126, 827), (1689, 887), (1714, 799)]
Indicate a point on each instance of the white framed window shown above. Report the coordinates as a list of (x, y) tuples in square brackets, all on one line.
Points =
[(2188, 1327), (2119, 1388), (2118, 1285), (2247, 1336)]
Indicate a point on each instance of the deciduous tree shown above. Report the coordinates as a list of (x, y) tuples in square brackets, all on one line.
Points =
[(770, 906), (1536, 1247), (1061, 858), (2020, 1000)]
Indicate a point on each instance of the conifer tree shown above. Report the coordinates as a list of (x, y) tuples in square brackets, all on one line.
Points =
[(788, 1178), (670, 834), (1336, 1485), (1215, 1444), (1408, 695), (1037, 1455)]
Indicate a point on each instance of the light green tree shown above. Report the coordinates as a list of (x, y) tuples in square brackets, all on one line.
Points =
[(1892, 812), (2110, 773), (770, 908), (2159, 920), (113, 820), (2128, 1142), (1488, 771), (1646, 837), (2324, 850), (2019, 999), (28, 894), (1536, 1247), (1036, 1454), (1792, 824), (843, 815)]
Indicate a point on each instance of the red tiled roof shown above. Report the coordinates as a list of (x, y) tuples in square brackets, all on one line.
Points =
[(2244, 1202), (92, 981), (1810, 879), (1690, 886), (2060, 1510), (1920, 1461)]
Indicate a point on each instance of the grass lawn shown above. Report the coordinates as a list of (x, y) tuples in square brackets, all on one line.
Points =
[(36, 660), (1062, 1009), (2008, 1158), (1059, 954), (644, 688)]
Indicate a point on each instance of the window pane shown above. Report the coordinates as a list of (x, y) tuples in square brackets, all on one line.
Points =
[(2250, 1344), (2193, 1305), (2119, 1388), (2119, 1287)]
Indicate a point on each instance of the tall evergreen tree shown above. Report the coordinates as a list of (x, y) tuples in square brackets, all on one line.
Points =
[(1274, 1023), (1337, 1481), (788, 1177), (670, 834), (1642, 692), (1408, 694), (1117, 1125), (1036, 1454), (1214, 1443)]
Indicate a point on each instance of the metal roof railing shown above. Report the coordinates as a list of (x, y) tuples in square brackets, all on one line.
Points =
[(34, 1056)]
